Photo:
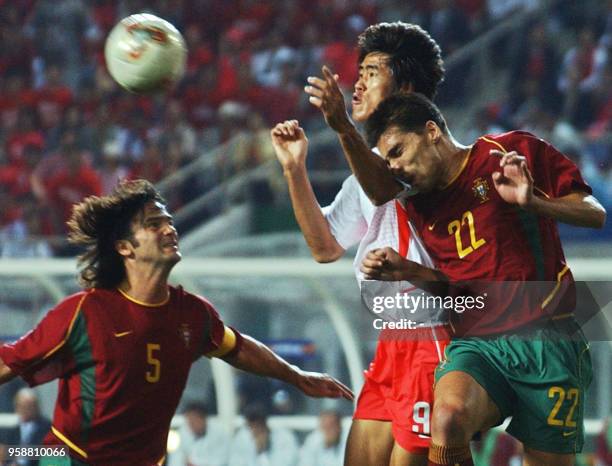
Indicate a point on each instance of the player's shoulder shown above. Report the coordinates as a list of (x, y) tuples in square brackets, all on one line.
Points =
[(190, 300), (80, 301), (509, 140), (76, 300), (351, 184), (97, 297)]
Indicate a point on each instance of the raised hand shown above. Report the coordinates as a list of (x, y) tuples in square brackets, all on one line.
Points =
[(325, 94), (514, 182), (290, 144)]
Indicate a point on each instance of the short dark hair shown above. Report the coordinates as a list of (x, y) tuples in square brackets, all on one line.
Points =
[(407, 112), (415, 57), (98, 222)]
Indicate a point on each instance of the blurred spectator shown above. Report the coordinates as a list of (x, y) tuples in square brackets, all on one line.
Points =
[(535, 60), (57, 26), (112, 170), (341, 54), (268, 63), (76, 180), (150, 167), (32, 427), (578, 64), (499, 9), (24, 236), (202, 443), (246, 71), (53, 98), (448, 25), (257, 444), (325, 446)]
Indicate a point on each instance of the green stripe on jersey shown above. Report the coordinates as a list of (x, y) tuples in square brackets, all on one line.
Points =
[(81, 349), (531, 229)]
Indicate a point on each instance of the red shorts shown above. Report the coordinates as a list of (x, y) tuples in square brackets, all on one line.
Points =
[(399, 385)]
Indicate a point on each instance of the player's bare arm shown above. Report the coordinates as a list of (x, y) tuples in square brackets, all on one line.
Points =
[(371, 171), (6, 373), (291, 146), (257, 358), (515, 185)]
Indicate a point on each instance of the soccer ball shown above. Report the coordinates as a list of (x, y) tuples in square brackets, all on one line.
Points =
[(145, 53)]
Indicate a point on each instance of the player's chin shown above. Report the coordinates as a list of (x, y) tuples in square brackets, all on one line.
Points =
[(359, 112), (173, 257)]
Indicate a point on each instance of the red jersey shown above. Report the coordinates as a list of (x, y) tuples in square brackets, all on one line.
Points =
[(122, 367), (473, 234)]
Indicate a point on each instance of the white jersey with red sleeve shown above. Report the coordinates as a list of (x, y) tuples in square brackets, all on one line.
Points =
[(399, 381), (353, 219)]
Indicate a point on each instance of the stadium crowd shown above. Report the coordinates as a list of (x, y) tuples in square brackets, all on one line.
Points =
[(67, 130)]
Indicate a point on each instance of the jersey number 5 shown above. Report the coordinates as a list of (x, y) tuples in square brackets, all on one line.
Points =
[(152, 375), (454, 227)]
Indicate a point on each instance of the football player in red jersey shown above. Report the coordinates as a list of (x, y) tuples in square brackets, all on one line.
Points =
[(488, 212), (122, 348)]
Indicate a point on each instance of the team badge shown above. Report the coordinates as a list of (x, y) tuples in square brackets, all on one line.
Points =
[(185, 334), (481, 189)]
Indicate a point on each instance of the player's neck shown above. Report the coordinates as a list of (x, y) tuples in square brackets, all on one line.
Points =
[(150, 287), (455, 156)]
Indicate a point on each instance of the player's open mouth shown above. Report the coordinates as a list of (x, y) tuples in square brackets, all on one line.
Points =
[(356, 99)]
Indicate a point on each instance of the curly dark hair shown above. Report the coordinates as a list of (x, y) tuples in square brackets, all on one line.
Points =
[(98, 222), (414, 57)]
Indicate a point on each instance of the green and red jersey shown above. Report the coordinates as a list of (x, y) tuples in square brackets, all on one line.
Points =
[(472, 234), (122, 367)]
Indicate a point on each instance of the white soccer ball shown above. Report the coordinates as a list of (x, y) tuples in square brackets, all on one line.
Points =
[(145, 53)]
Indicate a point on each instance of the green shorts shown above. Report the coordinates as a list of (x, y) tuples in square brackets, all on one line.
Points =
[(539, 378), (57, 461)]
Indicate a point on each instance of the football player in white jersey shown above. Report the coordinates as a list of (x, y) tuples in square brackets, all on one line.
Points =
[(391, 420)]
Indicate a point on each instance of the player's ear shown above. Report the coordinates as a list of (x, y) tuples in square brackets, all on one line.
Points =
[(125, 248), (433, 131)]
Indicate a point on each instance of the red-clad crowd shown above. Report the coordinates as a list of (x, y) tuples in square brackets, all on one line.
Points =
[(67, 130)]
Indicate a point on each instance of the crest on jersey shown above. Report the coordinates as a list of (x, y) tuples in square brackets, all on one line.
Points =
[(185, 334), (481, 189)]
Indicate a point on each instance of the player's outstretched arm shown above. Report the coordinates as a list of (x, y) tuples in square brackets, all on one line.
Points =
[(291, 146), (371, 171), (255, 357), (515, 185), (6, 373)]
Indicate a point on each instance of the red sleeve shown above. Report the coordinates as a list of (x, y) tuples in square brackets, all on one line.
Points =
[(215, 333), (42, 354), (553, 173)]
